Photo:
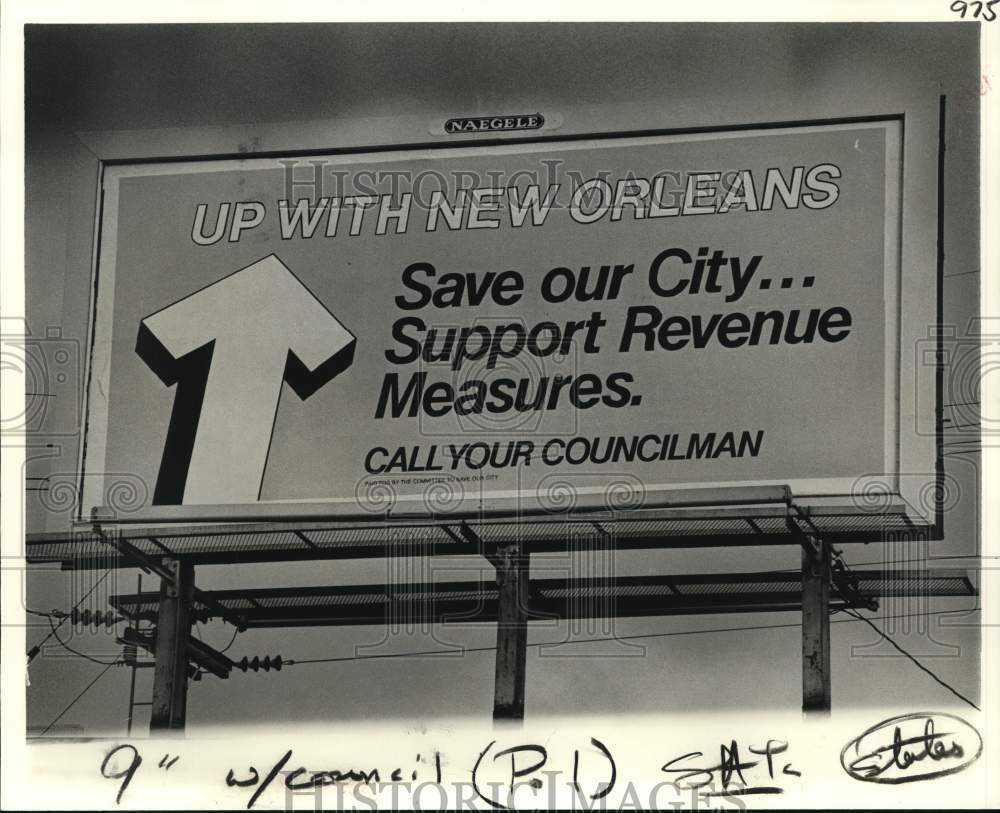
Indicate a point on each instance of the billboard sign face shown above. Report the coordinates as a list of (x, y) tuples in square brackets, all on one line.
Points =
[(484, 327)]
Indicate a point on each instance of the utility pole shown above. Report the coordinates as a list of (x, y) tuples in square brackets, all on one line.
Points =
[(512, 567), (816, 575), (172, 631)]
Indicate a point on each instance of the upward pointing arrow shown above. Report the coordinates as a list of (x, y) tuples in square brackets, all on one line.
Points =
[(228, 347)]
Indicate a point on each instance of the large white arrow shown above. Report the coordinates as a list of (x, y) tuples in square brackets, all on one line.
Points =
[(228, 347)]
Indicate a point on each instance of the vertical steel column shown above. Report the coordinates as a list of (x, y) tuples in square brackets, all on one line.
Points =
[(816, 626), (172, 631), (512, 631), (131, 688)]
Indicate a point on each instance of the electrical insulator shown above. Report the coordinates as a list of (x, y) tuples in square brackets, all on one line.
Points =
[(96, 618), (256, 663), (130, 654)]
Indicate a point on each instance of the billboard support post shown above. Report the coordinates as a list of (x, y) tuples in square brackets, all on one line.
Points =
[(131, 689), (512, 565), (172, 630), (816, 573)]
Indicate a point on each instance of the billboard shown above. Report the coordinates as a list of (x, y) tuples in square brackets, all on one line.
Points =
[(482, 327)]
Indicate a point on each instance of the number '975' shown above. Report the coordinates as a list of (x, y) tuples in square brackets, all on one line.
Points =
[(977, 9)]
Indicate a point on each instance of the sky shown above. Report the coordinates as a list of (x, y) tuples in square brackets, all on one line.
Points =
[(132, 78)]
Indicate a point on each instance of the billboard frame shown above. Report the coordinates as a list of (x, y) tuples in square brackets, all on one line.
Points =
[(118, 148)]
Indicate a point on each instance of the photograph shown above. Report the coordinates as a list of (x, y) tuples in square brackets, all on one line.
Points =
[(527, 413)]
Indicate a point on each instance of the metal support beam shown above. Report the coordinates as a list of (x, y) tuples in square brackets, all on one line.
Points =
[(150, 564), (511, 564), (200, 655), (625, 596), (131, 689), (816, 626), (172, 631)]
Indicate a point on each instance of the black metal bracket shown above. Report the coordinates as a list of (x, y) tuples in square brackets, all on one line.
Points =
[(805, 530), (489, 552), (200, 654), (166, 569), (842, 580), (847, 585)]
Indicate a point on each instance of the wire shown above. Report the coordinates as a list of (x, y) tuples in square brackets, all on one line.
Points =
[(964, 556), (76, 652), (891, 642), (73, 702), (37, 648), (344, 658), (53, 614), (231, 641), (916, 663), (923, 562), (384, 655)]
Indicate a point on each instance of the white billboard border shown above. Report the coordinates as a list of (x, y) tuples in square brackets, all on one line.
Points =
[(137, 159)]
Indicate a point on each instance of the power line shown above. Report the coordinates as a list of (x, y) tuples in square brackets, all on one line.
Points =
[(923, 561), (462, 651), (437, 652), (673, 633), (33, 652), (201, 638), (78, 653), (42, 613), (73, 701), (231, 640), (965, 556), (916, 663), (891, 642)]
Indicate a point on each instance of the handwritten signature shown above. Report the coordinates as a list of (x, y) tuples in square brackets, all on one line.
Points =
[(730, 770), (911, 748)]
